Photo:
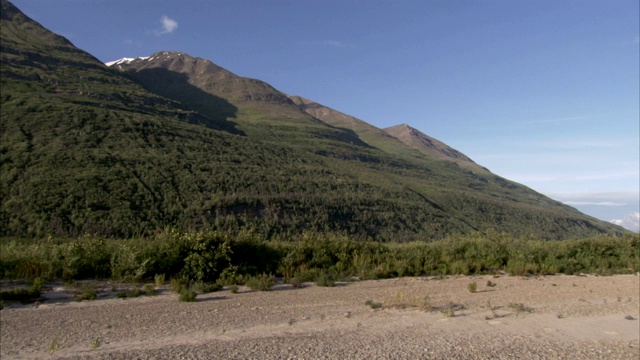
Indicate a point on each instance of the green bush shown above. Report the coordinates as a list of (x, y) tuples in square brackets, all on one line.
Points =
[(262, 282), (203, 287), (187, 295), (159, 280), (22, 294), (149, 289), (325, 280), (210, 257)]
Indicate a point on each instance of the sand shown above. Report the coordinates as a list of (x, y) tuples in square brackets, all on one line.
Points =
[(538, 317)]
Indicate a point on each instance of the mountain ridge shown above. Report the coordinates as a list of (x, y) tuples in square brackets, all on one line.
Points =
[(179, 141)]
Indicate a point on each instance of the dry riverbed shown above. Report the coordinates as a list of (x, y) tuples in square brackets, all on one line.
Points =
[(550, 317)]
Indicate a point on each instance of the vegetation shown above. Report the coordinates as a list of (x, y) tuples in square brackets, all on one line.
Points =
[(89, 149), (207, 257), (213, 178), (159, 280), (325, 280), (473, 287), (87, 295), (262, 282), (22, 294), (187, 295)]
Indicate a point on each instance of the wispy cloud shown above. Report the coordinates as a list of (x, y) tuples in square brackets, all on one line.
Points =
[(606, 199), (594, 203), (617, 196), (556, 120), (574, 177), (169, 25), (327, 43)]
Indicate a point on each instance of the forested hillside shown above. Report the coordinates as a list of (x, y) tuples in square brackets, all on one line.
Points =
[(175, 140)]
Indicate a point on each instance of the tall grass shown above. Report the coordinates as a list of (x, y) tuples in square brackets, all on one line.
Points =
[(205, 256)]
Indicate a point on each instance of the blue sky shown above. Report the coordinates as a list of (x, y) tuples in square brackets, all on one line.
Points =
[(545, 93)]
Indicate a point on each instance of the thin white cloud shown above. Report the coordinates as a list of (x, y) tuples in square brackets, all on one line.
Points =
[(556, 120), (169, 25), (329, 43), (332, 43), (630, 222), (562, 178), (594, 203), (616, 196)]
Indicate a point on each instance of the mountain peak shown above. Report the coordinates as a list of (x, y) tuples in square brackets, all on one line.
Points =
[(124, 60), (427, 145), (159, 56)]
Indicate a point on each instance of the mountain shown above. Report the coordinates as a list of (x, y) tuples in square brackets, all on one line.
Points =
[(175, 140), (428, 145)]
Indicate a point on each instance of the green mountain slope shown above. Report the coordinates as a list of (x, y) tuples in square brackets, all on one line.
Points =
[(176, 140)]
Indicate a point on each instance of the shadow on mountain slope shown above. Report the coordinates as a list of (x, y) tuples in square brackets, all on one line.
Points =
[(176, 86)]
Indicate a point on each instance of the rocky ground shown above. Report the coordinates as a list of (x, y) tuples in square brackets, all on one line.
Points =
[(541, 317)]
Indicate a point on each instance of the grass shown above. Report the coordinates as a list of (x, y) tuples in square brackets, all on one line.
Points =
[(520, 308), (176, 285), (87, 295), (374, 305), (473, 287), (23, 295), (133, 293), (149, 289), (55, 345), (159, 280), (402, 300), (448, 312), (450, 309), (203, 287), (96, 342)]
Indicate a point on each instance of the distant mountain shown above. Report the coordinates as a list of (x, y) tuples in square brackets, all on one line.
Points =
[(175, 140)]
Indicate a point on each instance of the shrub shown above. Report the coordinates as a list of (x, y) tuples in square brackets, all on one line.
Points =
[(177, 285), (22, 294), (473, 287), (208, 254), (159, 280), (262, 282), (307, 275), (88, 295), (295, 282), (325, 280), (204, 287), (374, 305), (187, 295), (149, 289), (130, 294)]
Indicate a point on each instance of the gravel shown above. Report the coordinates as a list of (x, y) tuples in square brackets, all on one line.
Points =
[(542, 317)]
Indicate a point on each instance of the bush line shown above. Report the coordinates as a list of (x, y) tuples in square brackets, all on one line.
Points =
[(208, 256)]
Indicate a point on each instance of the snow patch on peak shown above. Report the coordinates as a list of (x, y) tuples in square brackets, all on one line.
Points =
[(125, 60)]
